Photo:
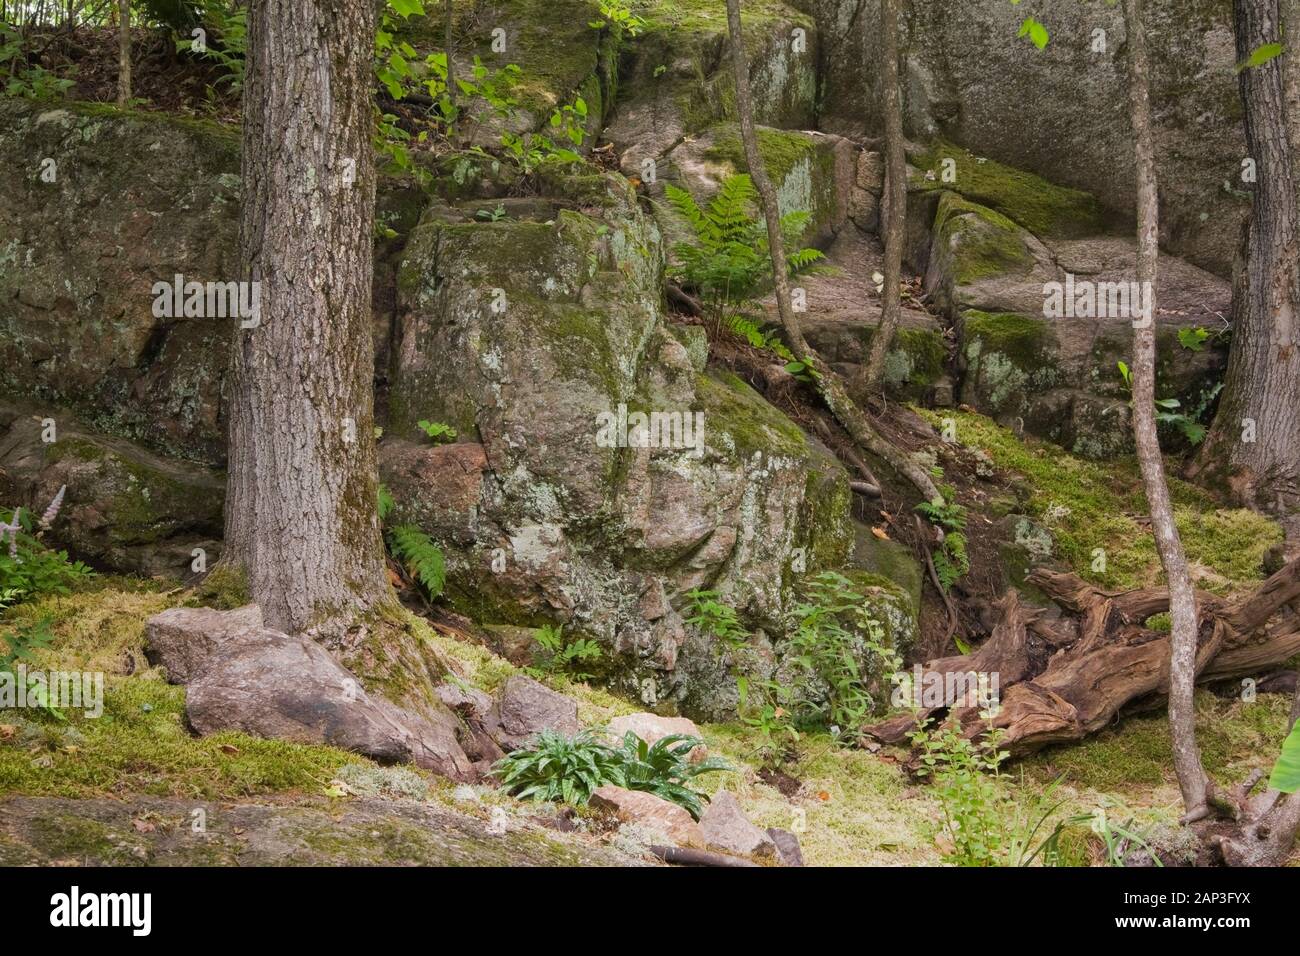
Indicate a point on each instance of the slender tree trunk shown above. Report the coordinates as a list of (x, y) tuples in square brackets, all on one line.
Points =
[(301, 510), (1254, 443), (448, 37), (832, 388), (123, 52), (896, 199), (1182, 599)]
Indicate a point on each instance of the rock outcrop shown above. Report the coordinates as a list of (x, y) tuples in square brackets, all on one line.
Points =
[(1062, 112)]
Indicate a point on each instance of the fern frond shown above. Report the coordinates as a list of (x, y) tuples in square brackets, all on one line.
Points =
[(421, 557), (685, 204), (803, 261)]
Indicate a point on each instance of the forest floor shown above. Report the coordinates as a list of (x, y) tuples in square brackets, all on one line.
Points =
[(138, 774)]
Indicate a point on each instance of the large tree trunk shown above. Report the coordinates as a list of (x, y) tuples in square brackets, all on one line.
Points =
[(1182, 601), (895, 206), (833, 390), (1254, 443), (301, 510)]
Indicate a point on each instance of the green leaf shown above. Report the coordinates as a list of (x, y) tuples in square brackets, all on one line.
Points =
[(1261, 55), (1036, 32), (1286, 774), (407, 8), (1193, 339)]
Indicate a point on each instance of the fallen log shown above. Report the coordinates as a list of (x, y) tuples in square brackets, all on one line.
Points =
[(1066, 672)]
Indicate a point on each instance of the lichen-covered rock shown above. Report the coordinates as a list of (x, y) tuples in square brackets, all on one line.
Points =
[(1058, 378), (970, 80), (135, 199), (124, 508), (578, 521)]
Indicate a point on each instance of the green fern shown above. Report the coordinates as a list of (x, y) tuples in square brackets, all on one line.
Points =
[(728, 264), (386, 503), (422, 558)]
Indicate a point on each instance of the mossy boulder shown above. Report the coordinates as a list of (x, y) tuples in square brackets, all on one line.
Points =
[(1045, 209), (124, 508), (979, 256), (1059, 113), (568, 515)]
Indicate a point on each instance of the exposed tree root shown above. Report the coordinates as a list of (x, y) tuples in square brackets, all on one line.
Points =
[(1065, 676)]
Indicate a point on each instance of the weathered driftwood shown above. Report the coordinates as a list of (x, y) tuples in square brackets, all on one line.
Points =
[(1066, 674)]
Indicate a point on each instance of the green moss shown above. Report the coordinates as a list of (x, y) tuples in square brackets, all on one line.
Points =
[(732, 408), (1021, 338), (225, 587), (1090, 505), (780, 151), (981, 242), (1234, 736), (1043, 208)]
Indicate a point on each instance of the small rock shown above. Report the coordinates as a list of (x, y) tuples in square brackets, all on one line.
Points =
[(726, 828), (526, 708), (466, 701), (787, 846), (645, 809)]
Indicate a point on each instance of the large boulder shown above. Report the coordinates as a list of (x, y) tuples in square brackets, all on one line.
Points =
[(1061, 112), (135, 199), (558, 514), (242, 676)]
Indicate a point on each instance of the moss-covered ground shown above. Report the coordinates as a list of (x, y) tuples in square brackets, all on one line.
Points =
[(1090, 506), (848, 806)]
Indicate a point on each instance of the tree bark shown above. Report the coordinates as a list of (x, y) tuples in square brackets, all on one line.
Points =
[(895, 206), (448, 26), (1261, 393), (301, 509), (832, 388), (1192, 780), (123, 52)]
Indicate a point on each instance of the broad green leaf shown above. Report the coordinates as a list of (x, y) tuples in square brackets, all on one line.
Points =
[(1286, 774), (407, 8), (1261, 55)]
